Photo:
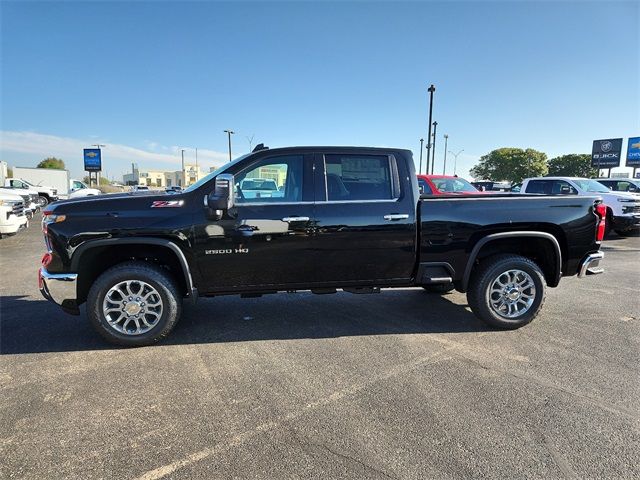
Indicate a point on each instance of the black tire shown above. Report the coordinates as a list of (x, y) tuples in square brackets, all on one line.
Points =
[(439, 288), (43, 201), (484, 276), (156, 277)]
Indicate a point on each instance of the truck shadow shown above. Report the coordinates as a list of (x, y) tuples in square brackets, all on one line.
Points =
[(37, 326)]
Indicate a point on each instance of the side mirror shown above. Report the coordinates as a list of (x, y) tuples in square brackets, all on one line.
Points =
[(222, 196)]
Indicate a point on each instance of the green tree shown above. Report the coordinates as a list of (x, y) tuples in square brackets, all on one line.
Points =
[(52, 162), (103, 180), (510, 164), (572, 165)]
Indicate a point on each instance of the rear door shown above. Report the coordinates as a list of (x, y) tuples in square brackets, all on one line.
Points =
[(365, 218)]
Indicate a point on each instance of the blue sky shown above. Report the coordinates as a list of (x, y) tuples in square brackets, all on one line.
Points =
[(149, 78)]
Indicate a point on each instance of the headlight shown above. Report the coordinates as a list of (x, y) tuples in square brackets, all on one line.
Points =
[(2, 202), (627, 200)]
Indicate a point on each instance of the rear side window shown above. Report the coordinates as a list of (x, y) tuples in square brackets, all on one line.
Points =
[(358, 177), (425, 189), (538, 186)]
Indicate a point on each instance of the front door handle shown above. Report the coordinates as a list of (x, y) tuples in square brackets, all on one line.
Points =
[(396, 216), (295, 219)]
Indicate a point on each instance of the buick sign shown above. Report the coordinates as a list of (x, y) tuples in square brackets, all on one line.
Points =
[(606, 153)]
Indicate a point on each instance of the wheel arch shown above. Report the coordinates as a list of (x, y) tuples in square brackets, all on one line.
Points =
[(508, 242), (92, 258)]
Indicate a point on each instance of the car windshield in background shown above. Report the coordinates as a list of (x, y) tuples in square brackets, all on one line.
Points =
[(258, 184), (592, 186), (453, 185)]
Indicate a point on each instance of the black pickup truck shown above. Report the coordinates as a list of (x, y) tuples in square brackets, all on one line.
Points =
[(310, 218)]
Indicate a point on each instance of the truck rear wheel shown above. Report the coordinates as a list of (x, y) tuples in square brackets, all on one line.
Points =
[(134, 304), (507, 291), (43, 201)]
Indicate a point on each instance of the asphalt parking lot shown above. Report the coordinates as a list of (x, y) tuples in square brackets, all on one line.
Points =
[(403, 384)]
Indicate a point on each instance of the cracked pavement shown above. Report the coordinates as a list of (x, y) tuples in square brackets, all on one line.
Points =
[(403, 384)]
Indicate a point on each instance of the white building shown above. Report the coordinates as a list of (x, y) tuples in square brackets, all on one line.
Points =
[(164, 178)]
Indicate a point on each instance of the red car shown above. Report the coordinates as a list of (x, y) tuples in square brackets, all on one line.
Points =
[(445, 185)]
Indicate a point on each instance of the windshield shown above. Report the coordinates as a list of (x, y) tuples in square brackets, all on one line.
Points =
[(216, 172), (447, 185), (591, 186)]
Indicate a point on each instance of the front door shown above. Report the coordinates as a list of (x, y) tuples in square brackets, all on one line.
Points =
[(264, 241)]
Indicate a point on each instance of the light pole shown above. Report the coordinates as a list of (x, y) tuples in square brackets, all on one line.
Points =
[(455, 159), (433, 152), (446, 139), (421, 142), (431, 89), (229, 133), (184, 177)]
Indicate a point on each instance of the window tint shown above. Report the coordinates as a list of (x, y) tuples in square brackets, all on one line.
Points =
[(425, 189), (453, 185), (272, 180), (560, 187), (538, 186), (358, 177)]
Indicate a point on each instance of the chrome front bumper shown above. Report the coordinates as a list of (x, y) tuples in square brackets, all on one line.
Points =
[(60, 288), (591, 265)]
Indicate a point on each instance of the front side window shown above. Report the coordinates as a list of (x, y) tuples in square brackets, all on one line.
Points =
[(77, 185), (358, 177), (560, 187), (272, 180)]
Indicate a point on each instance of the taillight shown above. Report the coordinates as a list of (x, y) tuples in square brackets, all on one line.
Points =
[(601, 211), (46, 259)]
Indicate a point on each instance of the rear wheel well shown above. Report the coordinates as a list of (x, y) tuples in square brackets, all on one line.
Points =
[(97, 260), (540, 250)]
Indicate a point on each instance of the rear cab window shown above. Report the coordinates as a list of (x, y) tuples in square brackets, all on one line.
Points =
[(353, 178)]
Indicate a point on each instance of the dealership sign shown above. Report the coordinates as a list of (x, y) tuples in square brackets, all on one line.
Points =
[(92, 160), (606, 153), (633, 152)]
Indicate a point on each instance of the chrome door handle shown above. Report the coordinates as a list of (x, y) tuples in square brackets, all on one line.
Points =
[(295, 219), (396, 216)]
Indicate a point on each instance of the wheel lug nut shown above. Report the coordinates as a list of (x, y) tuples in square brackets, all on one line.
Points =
[(130, 298)]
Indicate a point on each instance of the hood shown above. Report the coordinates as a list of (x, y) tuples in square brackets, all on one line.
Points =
[(625, 195), (7, 195), (125, 201)]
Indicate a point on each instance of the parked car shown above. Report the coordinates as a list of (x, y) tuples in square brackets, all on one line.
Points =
[(173, 189), (444, 184), (46, 195), (631, 185), (348, 218), (623, 209), (488, 186), (80, 189), (139, 188), (29, 197), (12, 213), (260, 188)]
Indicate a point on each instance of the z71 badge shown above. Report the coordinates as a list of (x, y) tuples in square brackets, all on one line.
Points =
[(167, 203)]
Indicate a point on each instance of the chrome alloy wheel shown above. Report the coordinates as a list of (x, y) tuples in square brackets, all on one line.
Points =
[(132, 307), (512, 293)]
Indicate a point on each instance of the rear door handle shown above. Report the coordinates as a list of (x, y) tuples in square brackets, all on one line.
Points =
[(396, 216), (295, 219)]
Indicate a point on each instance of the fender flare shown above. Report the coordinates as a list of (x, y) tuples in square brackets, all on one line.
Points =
[(497, 236), (162, 242)]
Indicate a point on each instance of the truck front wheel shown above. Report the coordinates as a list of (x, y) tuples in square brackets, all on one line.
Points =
[(507, 291), (43, 201), (134, 304)]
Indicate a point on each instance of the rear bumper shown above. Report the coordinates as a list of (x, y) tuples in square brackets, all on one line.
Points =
[(59, 288), (591, 265)]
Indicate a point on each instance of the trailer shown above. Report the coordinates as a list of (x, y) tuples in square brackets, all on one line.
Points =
[(46, 177)]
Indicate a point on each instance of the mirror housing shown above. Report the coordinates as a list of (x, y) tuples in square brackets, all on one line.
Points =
[(222, 196)]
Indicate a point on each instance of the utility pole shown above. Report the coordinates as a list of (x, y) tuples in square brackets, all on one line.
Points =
[(229, 133), (446, 139), (455, 159), (431, 89), (420, 168), (433, 154)]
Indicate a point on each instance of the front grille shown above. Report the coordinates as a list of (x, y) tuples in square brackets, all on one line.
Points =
[(55, 191), (631, 209), (18, 209)]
